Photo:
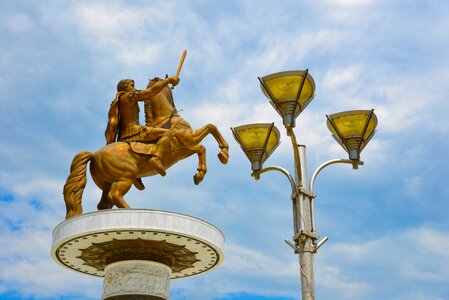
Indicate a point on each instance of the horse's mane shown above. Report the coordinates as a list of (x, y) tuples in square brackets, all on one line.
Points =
[(166, 93)]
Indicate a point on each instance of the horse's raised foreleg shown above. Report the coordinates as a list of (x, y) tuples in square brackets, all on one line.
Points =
[(118, 189), (202, 167), (201, 133)]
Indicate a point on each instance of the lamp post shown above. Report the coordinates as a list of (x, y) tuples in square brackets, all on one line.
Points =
[(289, 93)]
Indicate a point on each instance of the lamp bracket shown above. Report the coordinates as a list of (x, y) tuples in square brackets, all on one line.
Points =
[(256, 175), (321, 243), (299, 250), (293, 246), (294, 195), (328, 163)]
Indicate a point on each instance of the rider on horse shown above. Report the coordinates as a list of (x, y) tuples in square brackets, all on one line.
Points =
[(166, 138), (123, 119)]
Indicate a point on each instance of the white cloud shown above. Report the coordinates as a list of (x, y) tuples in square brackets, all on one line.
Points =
[(414, 255), (120, 31), (26, 267), (349, 3), (331, 278), (240, 260), (287, 48), (19, 23), (342, 79)]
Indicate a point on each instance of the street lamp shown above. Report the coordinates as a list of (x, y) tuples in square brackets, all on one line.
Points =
[(289, 93), (353, 130), (258, 140)]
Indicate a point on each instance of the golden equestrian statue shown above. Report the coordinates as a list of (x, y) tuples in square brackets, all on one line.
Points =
[(133, 150)]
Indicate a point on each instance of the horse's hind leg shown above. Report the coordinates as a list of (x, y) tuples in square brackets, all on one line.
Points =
[(201, 133), (118, 189), (104, 202), (202, 167)]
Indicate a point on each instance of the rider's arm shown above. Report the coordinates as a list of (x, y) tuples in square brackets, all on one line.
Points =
[(157, 87)]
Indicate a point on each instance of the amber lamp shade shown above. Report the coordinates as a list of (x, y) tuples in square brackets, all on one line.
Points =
[(258, 141), (289, 93), (353, 130)]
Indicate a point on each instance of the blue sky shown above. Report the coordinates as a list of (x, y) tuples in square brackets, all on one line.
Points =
[(387, 222)]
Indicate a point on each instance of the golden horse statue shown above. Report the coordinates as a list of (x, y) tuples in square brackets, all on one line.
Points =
[(116, 166)]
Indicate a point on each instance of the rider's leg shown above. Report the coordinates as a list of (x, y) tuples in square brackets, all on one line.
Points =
[(162, 146), (154, 133)]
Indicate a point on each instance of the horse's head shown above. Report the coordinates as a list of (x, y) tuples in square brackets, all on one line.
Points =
[(158, 79), (159, 105), (166, 92), (153, 81)]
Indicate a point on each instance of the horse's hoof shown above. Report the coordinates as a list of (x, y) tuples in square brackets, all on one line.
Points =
[(139, 184), (197, 179), (223, 156)]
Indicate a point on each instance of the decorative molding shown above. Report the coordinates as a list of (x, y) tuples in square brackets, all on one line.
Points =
[(99, 255), (73, 238)]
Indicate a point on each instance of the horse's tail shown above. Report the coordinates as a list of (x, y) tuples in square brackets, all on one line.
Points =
[(74, 186)]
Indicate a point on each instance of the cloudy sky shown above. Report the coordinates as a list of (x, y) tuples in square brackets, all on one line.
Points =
[(387, 222)]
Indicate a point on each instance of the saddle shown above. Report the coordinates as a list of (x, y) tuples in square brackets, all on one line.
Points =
[(142, 148)]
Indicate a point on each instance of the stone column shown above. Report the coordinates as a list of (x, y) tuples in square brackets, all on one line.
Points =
[(136, 279)]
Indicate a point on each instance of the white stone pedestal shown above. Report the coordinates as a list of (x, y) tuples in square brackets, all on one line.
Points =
[(138, 279), (138, 251)]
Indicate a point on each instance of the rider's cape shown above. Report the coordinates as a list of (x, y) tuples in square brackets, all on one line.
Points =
[(112, 128)]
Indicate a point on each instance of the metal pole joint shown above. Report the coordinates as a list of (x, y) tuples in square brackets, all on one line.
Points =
[(305, 191), (303, 247), (303, 235)]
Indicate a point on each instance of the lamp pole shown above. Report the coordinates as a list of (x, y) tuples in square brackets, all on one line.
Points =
[(304, 238), (289, 93)]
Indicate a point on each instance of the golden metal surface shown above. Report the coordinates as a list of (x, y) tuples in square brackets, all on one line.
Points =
[(353, 129), (282, 90), (133, 150), (258, 141), (181, 62)]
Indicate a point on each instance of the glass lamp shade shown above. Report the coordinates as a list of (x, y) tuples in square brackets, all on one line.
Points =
[(258, 141), (289, 93), (353, 130)]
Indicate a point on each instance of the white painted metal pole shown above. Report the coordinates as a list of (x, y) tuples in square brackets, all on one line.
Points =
[(306, 242)]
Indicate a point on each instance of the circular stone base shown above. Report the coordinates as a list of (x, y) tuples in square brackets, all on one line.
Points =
[(88, 243)]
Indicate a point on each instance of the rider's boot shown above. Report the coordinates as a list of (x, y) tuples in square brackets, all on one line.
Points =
[(156, 163)]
